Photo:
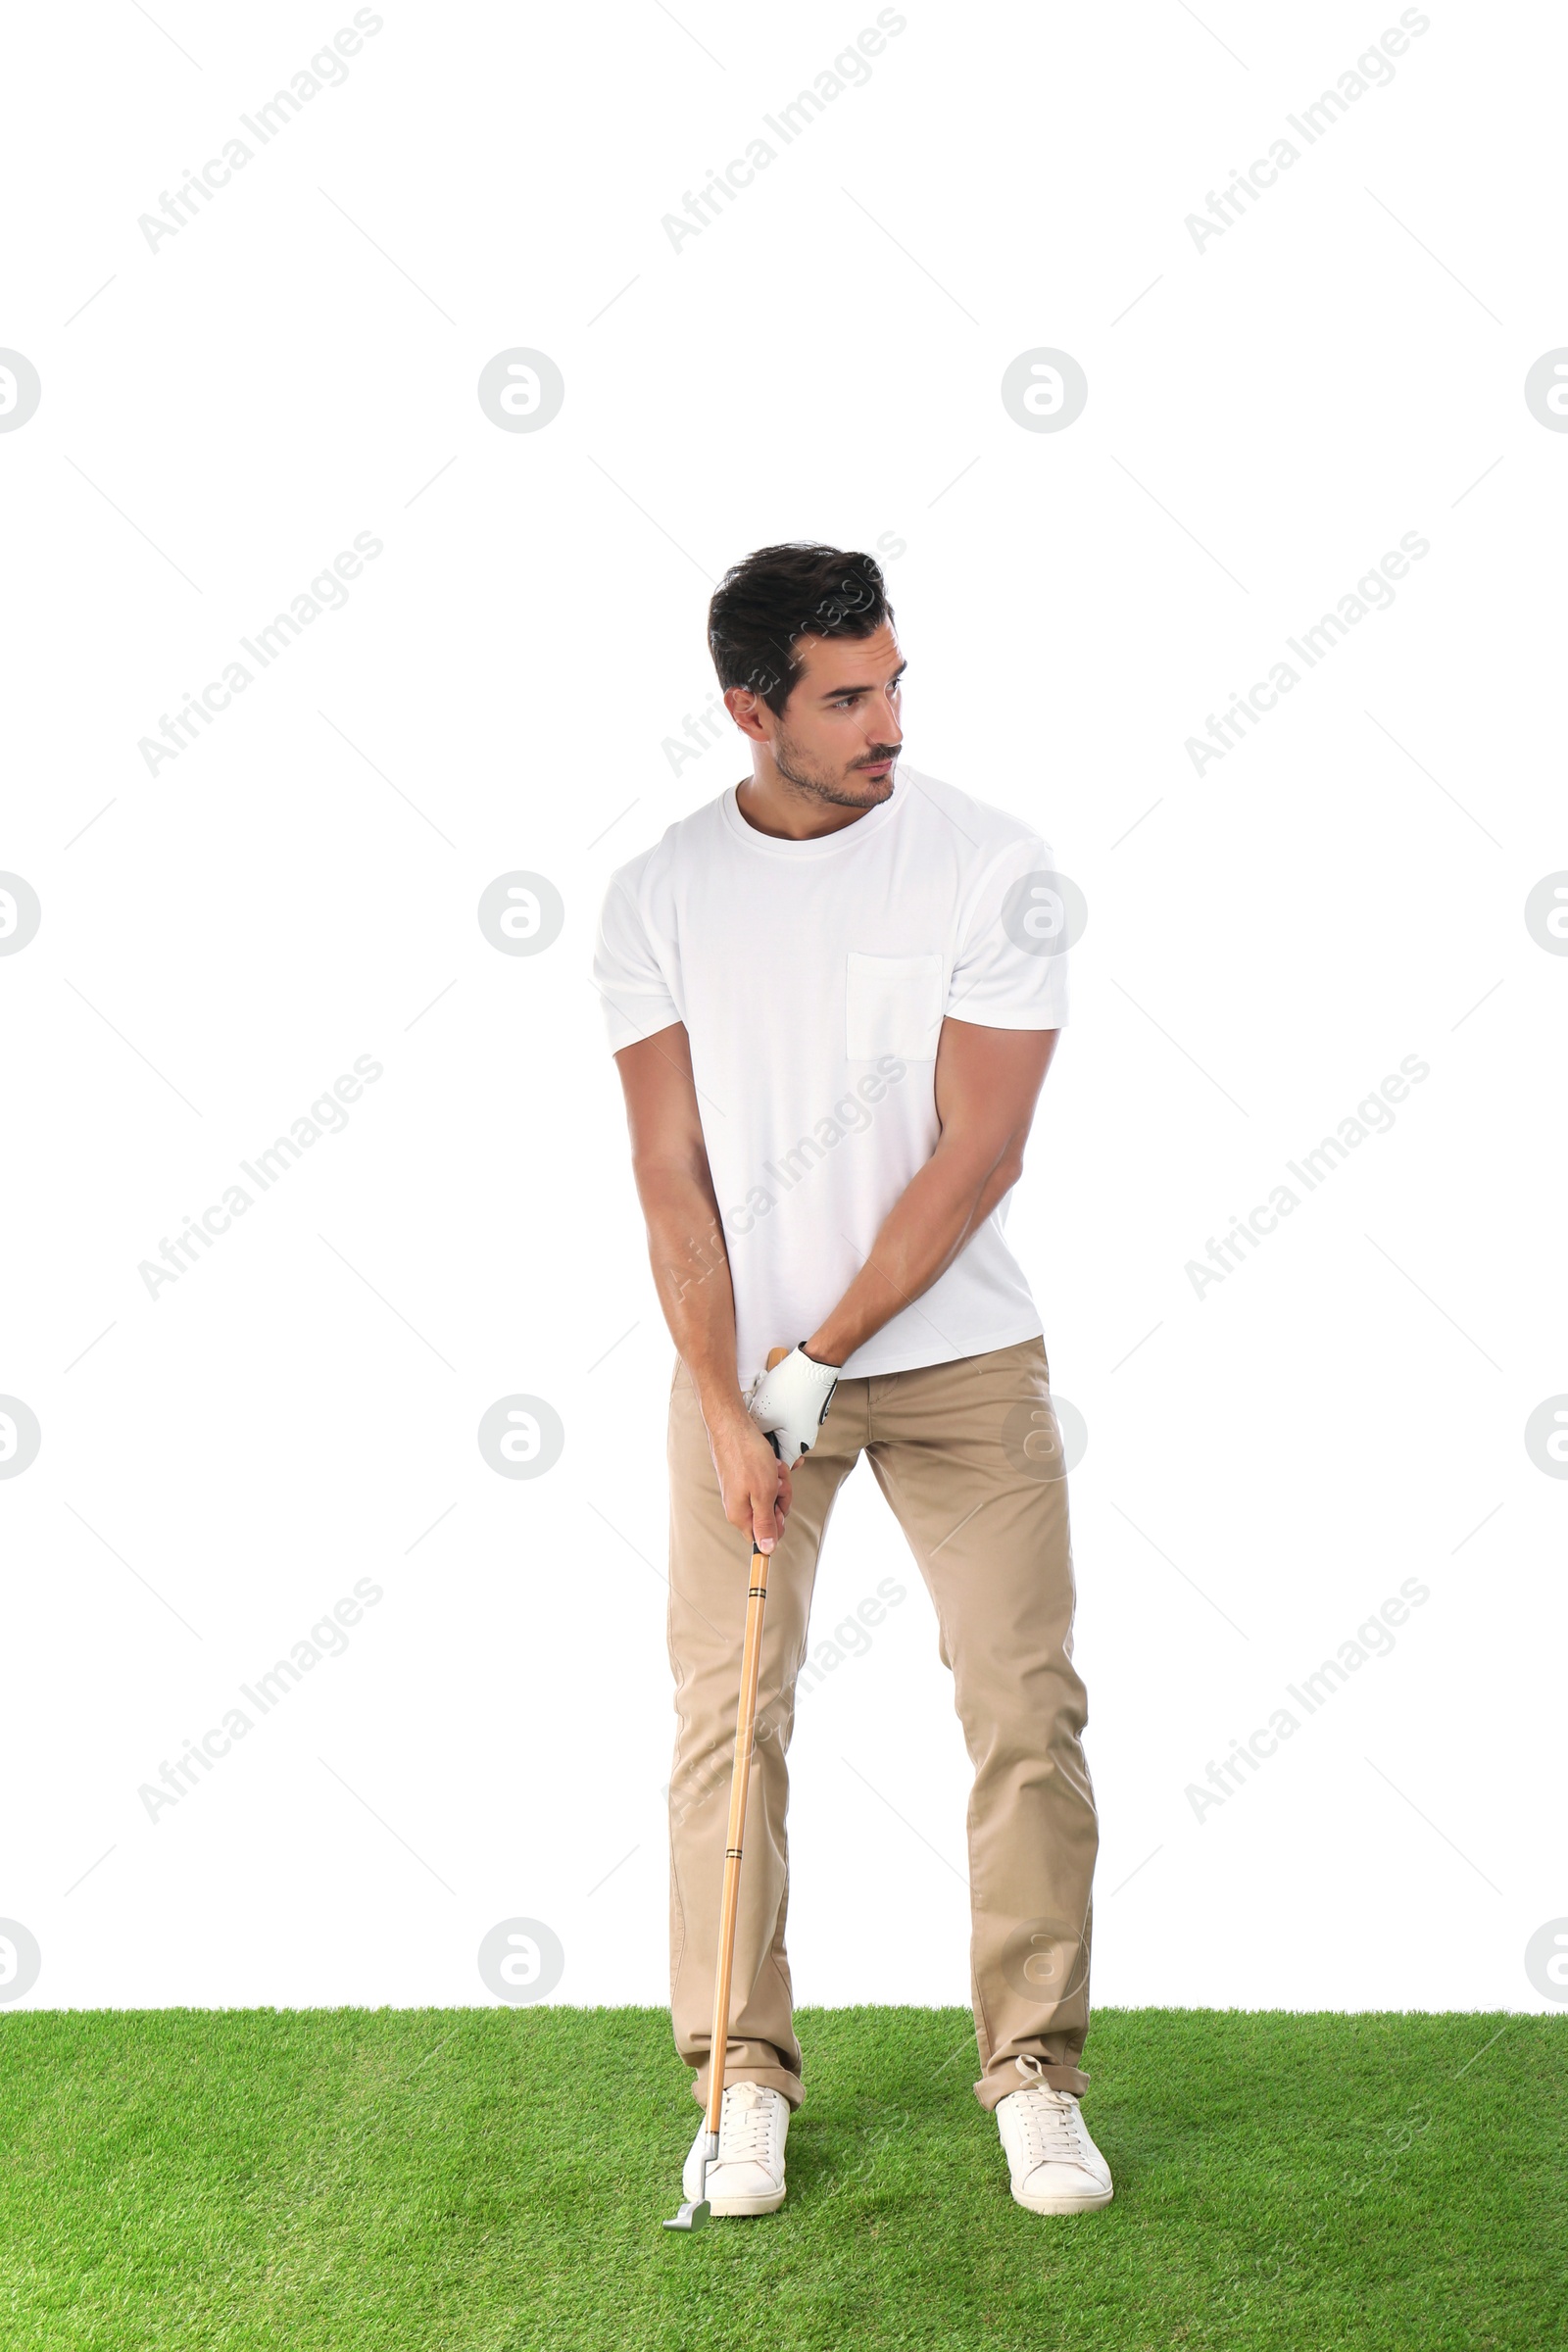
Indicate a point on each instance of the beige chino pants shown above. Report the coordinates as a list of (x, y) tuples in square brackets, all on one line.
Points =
[(969, 1457)]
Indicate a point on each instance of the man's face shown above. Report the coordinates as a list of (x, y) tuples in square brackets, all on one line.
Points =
[(840, 735)]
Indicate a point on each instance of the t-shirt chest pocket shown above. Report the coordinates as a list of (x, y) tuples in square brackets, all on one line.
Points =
[(892, 1005)]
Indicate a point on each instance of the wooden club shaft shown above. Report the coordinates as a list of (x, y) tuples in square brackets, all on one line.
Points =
[(730, 1906)]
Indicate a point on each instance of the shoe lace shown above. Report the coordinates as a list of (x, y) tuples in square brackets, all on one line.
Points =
[(746, 2125), (1053, 2127)]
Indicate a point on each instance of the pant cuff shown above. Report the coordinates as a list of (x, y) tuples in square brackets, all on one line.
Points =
[(994, 2086)]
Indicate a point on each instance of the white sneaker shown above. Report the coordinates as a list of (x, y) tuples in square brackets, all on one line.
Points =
[(749, 2175), (1056, 2166)]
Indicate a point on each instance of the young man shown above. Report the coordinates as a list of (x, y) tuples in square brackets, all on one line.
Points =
[(833, 995)]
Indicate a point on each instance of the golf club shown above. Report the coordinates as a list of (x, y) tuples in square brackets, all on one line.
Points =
[(693, 2212)]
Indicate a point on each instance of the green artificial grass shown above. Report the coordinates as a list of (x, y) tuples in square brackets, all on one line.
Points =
[(494, 2181)]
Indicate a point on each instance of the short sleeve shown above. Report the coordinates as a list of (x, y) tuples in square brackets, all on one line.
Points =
[(632, 988), (1011, 971)]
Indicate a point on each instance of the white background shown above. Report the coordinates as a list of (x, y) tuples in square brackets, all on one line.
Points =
[(1266, 1464)]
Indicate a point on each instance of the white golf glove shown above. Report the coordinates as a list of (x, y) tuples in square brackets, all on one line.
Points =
[(790, 1404)]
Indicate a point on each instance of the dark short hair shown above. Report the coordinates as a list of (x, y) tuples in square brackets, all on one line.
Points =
[(777, 595)]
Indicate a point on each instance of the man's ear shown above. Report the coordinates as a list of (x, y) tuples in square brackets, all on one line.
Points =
[(745, 707)]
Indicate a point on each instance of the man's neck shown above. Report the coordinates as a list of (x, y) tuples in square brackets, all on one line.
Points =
[(792, 813)]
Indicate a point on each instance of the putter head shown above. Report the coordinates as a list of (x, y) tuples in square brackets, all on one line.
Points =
[(695, 2211)]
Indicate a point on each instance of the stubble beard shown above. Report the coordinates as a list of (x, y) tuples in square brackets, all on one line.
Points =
[(838, 794)]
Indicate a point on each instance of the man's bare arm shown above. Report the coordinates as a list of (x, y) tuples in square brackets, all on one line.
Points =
[(988, 1082), (691, 1272)]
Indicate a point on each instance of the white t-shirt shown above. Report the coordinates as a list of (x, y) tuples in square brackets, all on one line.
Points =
[(814, 978)]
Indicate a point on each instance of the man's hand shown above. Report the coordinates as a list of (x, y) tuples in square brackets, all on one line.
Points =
[(791, 1402), (754, 1482)]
